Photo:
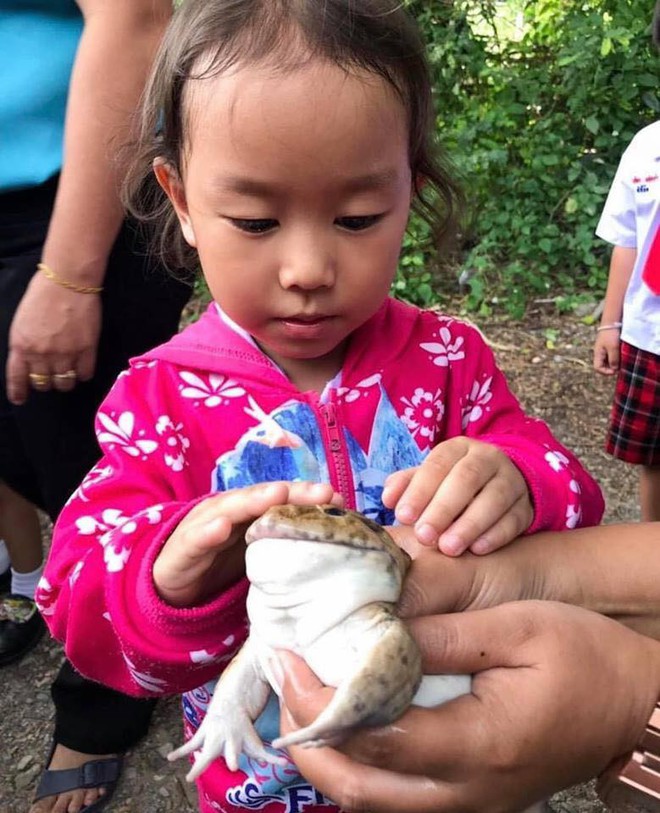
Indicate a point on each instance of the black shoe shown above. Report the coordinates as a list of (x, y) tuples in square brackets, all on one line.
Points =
[(21, 627), (5, 581)]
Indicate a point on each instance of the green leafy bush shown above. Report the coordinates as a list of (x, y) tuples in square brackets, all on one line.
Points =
[(535, 113)]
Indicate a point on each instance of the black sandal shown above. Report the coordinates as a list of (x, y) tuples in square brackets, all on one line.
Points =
[(94, 774)]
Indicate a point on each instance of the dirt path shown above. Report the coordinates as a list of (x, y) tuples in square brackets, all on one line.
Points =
[(554, 383)]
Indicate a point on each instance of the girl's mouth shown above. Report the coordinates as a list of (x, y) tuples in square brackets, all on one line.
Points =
[(305, 327), (305, 319)]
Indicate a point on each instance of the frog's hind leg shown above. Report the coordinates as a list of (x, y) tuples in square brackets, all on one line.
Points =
[(377, 692), (227, 730)]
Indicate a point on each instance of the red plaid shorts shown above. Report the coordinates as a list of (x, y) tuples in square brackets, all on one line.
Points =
[(634, 434)]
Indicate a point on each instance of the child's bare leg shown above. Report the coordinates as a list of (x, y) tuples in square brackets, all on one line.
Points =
[(649, 493), (21, 530)]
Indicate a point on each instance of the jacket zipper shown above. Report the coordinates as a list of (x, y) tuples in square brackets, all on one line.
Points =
[(338, 456)]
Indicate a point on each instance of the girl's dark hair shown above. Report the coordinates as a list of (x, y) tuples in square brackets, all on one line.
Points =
[(207, 37)]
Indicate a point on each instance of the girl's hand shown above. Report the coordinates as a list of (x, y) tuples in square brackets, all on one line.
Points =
[(533, 724), (466, 494), (606, 352), (202, 557)]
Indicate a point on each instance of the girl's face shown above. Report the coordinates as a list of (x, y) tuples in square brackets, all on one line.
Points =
[(295, 191)]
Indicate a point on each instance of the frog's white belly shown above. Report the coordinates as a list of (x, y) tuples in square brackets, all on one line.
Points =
[(301, 590)]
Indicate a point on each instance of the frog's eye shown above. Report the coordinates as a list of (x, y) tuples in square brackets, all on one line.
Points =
[(334, 512)]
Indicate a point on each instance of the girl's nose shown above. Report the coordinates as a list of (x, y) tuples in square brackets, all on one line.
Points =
[(307, 265)]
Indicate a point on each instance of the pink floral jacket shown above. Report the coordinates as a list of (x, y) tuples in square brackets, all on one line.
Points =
[(208, 411)]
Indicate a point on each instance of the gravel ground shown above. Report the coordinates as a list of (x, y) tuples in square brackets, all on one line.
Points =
[(548, 363)]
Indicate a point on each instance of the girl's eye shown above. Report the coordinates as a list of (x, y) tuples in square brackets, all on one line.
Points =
[(358, 223), (253, 226)]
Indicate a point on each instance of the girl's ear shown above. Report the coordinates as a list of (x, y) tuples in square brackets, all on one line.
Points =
[(419, 182), (171, 183)]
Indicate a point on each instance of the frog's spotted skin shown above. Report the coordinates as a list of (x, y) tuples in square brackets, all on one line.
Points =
[(323, 583)]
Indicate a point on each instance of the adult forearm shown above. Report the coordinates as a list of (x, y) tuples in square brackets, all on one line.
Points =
[(614, 570), (115, 52)]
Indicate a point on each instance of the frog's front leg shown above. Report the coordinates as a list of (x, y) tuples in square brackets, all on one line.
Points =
[(227, 730)]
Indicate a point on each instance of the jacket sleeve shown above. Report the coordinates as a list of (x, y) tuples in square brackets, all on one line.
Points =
[(563, 494), (97, 593)]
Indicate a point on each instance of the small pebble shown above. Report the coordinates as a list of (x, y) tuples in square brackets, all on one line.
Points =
[(27, 778)]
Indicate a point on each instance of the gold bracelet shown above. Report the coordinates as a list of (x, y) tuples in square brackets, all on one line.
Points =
[(79, 289)]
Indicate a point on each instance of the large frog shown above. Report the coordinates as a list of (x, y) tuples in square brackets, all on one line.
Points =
[(323, 583)]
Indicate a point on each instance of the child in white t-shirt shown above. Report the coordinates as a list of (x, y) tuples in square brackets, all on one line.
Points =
[(628, 339)]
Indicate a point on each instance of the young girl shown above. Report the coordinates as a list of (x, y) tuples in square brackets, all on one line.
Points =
[(290, 140)]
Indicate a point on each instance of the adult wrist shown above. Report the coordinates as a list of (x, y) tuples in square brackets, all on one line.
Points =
[(70, 285)]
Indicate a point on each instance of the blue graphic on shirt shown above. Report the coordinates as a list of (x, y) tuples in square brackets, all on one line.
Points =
[(391, 448), (287, 444)]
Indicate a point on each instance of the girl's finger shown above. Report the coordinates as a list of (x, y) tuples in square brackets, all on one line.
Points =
[(488, 507), (395, 485), (454, 495), (245, 504), (306, 493), (510, 526), (424, 485)]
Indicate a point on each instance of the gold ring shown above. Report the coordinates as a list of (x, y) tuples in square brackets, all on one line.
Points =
[(69, 375), (39, 379)]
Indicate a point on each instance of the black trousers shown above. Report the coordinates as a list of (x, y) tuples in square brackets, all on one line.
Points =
[(47, 445)]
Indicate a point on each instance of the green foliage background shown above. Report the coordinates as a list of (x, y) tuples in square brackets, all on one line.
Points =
[(536, 101)]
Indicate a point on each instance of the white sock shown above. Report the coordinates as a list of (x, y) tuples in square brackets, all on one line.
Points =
[(25, 584), (4, 557)]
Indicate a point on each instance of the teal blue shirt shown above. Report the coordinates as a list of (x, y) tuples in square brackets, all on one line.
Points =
[(38, 41)]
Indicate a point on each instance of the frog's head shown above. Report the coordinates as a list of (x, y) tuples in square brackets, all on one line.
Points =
[(326, 524)]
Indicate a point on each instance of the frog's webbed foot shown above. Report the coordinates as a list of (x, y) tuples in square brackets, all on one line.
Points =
[(227, 730)]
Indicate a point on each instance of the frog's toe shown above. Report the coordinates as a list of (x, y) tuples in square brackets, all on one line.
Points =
[(193, 744), (318, 742), (202, 762), (254, 747)]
